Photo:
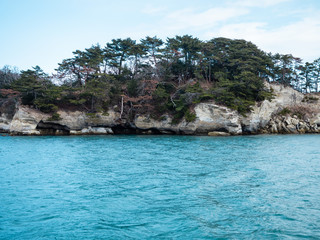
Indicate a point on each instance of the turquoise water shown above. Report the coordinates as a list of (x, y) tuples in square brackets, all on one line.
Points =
[(160, 187)]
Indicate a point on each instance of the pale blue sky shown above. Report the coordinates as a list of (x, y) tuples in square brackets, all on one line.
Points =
[(44, 32)]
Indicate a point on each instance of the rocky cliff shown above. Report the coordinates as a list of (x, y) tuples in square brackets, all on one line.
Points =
[(289, 112)]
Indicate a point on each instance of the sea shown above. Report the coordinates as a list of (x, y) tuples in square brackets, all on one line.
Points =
[(160, 187)]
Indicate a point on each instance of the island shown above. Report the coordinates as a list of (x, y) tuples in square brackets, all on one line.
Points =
[(182, 86)]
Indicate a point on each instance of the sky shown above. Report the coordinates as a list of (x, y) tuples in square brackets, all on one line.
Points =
[(44, 32)]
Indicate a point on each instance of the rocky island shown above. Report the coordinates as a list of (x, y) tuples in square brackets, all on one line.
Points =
[(185, 86), (288, 112)]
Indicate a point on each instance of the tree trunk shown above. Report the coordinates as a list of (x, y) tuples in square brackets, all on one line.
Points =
[(209, 72), (120, 63), (121, 112), (92, 103)]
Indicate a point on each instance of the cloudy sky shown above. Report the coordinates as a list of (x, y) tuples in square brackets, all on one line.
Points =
[(44, 32)]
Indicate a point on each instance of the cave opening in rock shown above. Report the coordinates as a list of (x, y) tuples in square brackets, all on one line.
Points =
[(52, 129)]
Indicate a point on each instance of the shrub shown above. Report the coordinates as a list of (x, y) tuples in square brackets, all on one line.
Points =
[(91, 115), (55, 117), (190, 116), (132, 88), (300, 111), (45, 107), (284, 111), (309, 99)]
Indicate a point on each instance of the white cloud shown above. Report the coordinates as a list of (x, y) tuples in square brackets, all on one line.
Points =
[(259, 3), (239, 30), (187, 18), (151, 10), (300, 38)]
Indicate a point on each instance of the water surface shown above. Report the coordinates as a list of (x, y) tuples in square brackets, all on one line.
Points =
[(160, 187)]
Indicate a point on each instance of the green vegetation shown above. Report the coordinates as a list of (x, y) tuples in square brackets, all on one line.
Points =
[(308, 99), (54, 117), (300, 111), (157, 77), (285, 111)]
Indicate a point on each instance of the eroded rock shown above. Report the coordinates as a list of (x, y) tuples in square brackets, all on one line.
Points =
[(211, 119), (218, 134)]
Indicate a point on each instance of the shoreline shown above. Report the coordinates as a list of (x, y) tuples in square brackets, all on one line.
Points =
[(287, 113), (219, 134)]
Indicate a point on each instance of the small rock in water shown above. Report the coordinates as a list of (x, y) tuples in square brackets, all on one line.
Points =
[(218, 134)]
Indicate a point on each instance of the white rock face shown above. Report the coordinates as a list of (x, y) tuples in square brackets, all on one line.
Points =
[(315, 119), (262, 112), (79, 120), (4, 123), (212, 117), (92, 130), (164, 124), (218, 134), (26, 120)]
